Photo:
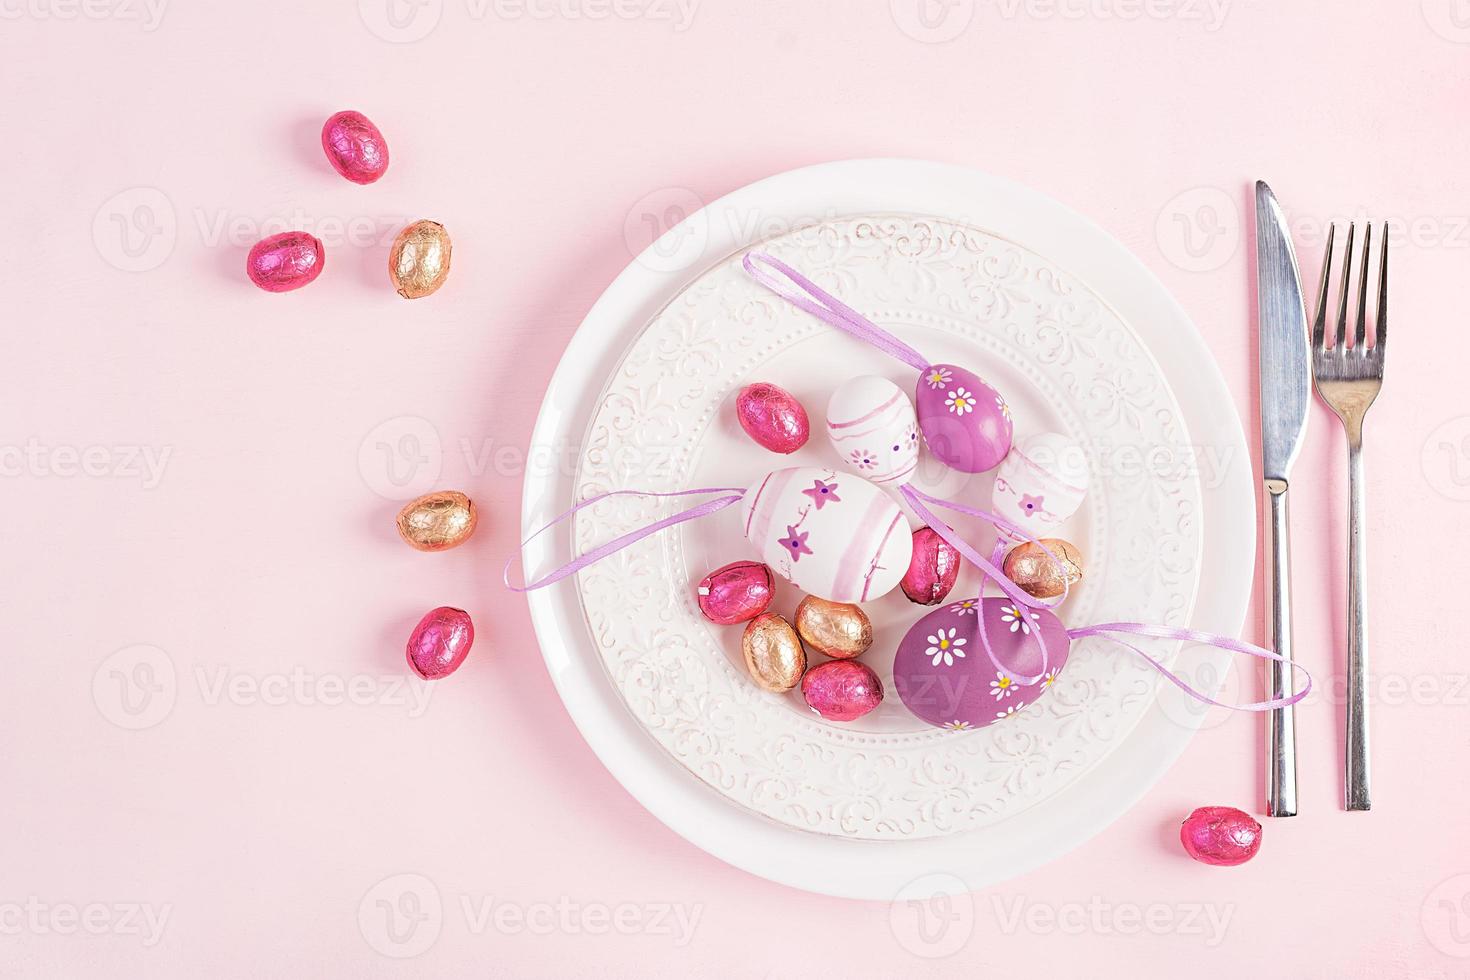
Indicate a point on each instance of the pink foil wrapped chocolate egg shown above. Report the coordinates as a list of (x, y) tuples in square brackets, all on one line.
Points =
[(966, 423), (943, 675), (772, 417), (842, 690), (440, 642), (284, 262), (355, 147), (1220, 835), (932, 570), (736, 592)]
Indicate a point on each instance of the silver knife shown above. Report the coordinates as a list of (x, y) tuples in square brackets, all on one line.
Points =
[(1285, 384)]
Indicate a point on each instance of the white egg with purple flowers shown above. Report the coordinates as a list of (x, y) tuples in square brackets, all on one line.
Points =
[(834, 535), (872, 425), (1040, 484)]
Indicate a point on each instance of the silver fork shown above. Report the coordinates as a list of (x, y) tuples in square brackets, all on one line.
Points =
[(1348, 379)]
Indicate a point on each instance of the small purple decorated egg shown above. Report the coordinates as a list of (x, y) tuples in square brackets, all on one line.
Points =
[(842, 690), (872, 425), (944, 676), (1040, 484), (833, 535), (772, 417), (966, 423)]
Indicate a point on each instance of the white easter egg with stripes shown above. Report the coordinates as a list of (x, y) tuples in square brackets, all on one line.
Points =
[(871, 423), (1040, 484), (834, 535)]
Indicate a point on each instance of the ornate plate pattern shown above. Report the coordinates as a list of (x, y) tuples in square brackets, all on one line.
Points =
[(658, 426)]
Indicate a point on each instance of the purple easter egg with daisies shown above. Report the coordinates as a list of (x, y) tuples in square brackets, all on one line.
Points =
[(943, 675), (966, 423), (834, 535)]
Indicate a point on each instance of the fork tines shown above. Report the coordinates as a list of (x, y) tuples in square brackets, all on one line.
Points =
[(1340, 355)]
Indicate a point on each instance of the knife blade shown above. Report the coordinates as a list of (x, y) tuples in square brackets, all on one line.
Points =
[(1285, 366), (1285, 379)]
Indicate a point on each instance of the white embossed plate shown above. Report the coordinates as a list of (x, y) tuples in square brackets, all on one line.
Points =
[(970, 269)]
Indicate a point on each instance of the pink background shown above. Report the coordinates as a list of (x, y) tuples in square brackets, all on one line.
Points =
[(202, 709)]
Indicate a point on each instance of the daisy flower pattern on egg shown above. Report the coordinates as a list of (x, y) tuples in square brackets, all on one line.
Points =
[(957, 726), (938, 377), (944, 647), (1002, 686), (1010, 710), (1015, 618), (966, 607), (960, 401)]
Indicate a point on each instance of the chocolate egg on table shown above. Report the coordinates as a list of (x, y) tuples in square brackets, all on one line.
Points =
[(872, 425), (284, 262), (440, 642), (418, 263), (944, 676), (1220, 835), (355, 147), (833, 535), (842, 690), (839, 630), (438, 521), (966, 423), (933, 569), (773, 654), (735, 592), (1037, 574), (1040, 484), (772, 417)]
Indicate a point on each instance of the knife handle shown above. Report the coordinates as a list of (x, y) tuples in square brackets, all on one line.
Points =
[(1281, 722)]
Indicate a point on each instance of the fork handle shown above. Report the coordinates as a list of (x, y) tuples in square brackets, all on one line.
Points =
[(1356, 755), (1281, 722)]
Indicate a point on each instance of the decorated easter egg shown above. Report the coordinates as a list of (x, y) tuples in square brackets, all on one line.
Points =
[(834, 535), (966, 423), (284, 262), (355, 147), (944, 676), (1040, 484), (773, 417), (842, 690), (872, 426)]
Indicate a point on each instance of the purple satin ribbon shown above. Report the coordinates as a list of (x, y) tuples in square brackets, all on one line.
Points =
[(991, 571), (733, 495), (824, 306)]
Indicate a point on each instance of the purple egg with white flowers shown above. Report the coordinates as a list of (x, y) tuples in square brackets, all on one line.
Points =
[(966, 423), (943, 675)]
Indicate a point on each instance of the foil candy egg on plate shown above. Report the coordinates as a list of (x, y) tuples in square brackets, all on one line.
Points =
[(842, 690), (1034, 571), (773, 653), (872, 425), (1040, 484), (933, 569), (943, 675), (735, 592), (773, 417), (840, 630)]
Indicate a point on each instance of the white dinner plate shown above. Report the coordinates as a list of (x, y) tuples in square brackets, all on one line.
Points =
[(970, 269)]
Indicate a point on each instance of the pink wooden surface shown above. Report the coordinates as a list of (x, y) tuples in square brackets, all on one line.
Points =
[(210, 766)]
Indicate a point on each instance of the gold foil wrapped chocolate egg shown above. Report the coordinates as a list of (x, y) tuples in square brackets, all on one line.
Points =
[(840, 630), (438, 521), (1037, 575), (773, 654), (419, 261)]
